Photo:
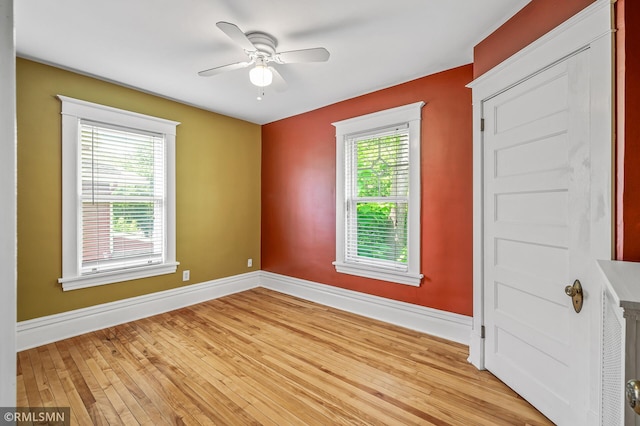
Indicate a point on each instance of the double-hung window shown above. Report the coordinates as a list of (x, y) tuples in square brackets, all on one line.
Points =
[(378, 195), (118, 195)]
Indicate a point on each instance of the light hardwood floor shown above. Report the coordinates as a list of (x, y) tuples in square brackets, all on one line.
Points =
[(261, 357)]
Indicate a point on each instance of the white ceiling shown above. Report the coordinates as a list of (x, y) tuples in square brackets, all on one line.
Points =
[(158, 46)]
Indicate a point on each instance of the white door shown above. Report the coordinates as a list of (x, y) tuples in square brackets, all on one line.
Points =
[(537, 237)]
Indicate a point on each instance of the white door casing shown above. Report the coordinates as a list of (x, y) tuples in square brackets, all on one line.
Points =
[(8, 261), (542, 214)]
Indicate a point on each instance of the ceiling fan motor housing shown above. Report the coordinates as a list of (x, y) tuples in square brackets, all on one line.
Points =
[(265, 43)]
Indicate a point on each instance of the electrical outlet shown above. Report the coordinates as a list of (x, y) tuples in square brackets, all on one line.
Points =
[(185, 275), (249, 263)]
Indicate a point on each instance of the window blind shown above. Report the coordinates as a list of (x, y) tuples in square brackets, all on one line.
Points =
[(122, 194), (377, 192)]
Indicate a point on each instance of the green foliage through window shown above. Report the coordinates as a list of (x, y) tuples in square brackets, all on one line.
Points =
[(380, 196)]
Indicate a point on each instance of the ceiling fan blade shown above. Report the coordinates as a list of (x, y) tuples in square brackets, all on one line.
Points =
[(223, 68), (236, 35), (279, 84), (317, 54)]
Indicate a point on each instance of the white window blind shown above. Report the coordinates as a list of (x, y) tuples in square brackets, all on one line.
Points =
[(377, 190), (122, 196)]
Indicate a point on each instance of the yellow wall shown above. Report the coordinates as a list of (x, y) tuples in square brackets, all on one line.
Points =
[(217, 191)]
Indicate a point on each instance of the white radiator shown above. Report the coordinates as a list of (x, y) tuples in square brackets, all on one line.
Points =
[(612, 362), (620, 339)]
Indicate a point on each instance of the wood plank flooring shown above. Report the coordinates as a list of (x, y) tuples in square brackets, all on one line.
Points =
[(261, 357)]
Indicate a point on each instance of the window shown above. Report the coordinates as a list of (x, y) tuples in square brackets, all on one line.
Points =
[(378, 195), (118, 195)]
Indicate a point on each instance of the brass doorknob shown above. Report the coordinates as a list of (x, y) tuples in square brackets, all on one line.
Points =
[(570, 291), (575, 293)]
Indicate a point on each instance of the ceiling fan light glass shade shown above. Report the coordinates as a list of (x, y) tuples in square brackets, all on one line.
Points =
[(260, 76)]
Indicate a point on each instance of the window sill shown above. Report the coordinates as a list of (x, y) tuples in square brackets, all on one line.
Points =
[(84, 281), (406, 278)]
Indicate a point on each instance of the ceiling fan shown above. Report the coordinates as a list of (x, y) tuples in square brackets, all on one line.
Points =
[(260, 47)]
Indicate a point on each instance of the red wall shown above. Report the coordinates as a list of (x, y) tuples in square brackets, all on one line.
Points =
[(298, 176), (529, 24), (628, 130), (298, 192)]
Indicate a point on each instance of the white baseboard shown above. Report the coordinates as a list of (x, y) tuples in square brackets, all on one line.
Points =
[(443, 324), (43, 330), (476, 350)]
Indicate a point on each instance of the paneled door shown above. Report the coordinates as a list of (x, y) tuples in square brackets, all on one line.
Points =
[(537, 236)]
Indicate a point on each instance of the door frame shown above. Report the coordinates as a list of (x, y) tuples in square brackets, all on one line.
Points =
[(589, 29), (8, 167)]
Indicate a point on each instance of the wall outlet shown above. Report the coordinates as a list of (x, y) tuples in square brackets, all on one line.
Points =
[(186, 275), (249, 263)]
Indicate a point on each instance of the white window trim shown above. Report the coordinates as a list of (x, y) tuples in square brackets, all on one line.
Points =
[(410, 114), (73, 110)]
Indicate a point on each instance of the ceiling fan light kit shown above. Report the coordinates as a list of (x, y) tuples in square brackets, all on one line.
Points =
[(261, 75), (261, 49)]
